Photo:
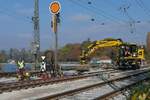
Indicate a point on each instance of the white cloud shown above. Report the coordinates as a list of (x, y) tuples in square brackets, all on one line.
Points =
[(4, 17), (98, 31), (80, 17), (22, 9), (25, 11), (17, 5), (25, 35)]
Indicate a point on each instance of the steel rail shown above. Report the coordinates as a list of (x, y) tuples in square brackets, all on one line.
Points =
[(39, 82), (119, 90), (14, 74), (85, 88)]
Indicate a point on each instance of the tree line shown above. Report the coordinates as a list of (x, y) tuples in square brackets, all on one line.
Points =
[(69, 52)]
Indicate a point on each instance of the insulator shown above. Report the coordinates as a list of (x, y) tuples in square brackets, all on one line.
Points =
[(89, 2), (92, 19)]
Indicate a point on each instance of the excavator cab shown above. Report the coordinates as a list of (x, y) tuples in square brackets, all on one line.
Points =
[(141, 53), (127, 50), (129, 56)]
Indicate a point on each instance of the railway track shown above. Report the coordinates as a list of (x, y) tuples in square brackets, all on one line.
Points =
[(8, 87), (14, 74), (33, 73), (129, 76), (119, 90)]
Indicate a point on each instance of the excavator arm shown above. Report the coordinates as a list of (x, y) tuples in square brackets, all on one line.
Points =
[(96, 45)]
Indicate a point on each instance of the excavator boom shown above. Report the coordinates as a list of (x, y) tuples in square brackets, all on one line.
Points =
[(99, 44)]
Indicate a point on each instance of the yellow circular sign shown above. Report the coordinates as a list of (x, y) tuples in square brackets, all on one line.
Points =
[(55, 7)]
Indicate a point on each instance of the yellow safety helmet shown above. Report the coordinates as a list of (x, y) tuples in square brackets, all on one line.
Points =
[(27, 74)]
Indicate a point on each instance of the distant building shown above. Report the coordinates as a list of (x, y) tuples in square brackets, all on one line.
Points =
[(102, 60), (10, 61), (148, 41), (105, 59)]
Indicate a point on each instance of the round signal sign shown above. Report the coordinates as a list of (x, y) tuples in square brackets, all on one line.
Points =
[(54, 7)]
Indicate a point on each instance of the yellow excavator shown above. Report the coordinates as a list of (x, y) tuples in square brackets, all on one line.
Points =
[(128, 55)]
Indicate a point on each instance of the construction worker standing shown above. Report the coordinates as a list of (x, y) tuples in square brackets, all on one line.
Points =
[(21, 64), (21, 69)]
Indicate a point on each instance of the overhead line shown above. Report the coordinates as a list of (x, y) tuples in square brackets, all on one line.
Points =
[(141, 6), (102, 11), (10, 14), (89, 11), (86, 8), (93, 11), (144, 6)]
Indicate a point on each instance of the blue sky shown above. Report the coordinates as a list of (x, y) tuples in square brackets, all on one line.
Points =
[(16, 27)]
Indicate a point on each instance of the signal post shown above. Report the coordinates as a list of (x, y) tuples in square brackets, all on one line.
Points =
[(54, 8)]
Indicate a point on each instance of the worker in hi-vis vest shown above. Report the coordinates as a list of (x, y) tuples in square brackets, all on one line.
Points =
[(21, 70), (21, 64)]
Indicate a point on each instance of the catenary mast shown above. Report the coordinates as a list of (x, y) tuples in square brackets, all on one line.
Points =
[(36, 42)]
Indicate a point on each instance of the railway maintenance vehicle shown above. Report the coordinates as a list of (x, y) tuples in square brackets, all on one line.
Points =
[(128, 55)]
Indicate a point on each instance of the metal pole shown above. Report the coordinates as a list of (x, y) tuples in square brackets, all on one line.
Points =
[(36, 43), (56, 52), (36, 62), (56, 44), (54, 9)]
